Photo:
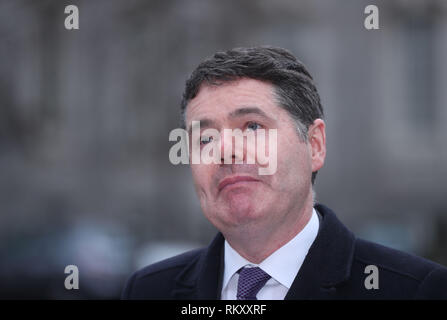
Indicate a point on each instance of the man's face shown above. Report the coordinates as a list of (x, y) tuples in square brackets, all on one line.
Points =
[(267, 202)]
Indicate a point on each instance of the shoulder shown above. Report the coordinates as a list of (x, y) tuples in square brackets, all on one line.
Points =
[(392, 260), (401, 271), (157, 280), (179, 261), (396, 274)]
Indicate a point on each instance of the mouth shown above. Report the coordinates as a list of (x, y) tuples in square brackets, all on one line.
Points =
[(234, 180)]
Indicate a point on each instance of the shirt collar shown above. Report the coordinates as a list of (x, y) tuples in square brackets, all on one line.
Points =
[(283, 264)]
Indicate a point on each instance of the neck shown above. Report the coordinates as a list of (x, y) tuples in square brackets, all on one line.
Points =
[(256, 244)]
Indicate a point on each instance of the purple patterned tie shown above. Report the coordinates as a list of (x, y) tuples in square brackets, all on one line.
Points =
[(251, 280)]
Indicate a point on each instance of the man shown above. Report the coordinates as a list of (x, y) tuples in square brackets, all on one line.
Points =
[(274, 243)]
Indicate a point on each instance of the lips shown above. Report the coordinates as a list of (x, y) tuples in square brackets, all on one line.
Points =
[(232, 180)]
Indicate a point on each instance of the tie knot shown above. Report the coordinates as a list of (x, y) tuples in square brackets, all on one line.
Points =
[(251, 280)]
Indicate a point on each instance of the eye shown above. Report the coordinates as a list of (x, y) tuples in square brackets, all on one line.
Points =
[(253, 126), (205, 140)]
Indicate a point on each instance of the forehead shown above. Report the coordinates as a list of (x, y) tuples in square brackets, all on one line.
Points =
[(219, 101)]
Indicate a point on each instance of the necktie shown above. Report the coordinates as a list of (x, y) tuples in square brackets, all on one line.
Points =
[(251, 280)]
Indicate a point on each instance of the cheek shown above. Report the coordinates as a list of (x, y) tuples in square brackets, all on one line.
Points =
[(202, 175), (294, 165)]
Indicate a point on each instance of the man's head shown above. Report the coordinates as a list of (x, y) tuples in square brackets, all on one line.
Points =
[(249, 89), (293, 86)]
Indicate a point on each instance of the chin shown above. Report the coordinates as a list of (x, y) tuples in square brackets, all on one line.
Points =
[(241, 209), (236, 207)]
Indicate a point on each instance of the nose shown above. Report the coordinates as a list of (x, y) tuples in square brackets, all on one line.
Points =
[(231, 147)]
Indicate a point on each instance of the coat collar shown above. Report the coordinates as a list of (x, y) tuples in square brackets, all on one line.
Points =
[(327, 265)]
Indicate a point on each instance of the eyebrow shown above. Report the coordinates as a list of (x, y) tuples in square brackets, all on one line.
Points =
[(247, 110), (204, 123)]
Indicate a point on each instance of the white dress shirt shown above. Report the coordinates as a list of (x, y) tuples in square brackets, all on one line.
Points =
[(282, 265)]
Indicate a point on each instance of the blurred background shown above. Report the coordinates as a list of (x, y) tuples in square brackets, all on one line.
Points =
[(85, 115)]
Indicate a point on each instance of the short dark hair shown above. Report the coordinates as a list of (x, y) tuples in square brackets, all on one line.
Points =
[(294, 88)]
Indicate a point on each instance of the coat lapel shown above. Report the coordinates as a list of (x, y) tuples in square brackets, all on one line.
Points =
[(328, 262)]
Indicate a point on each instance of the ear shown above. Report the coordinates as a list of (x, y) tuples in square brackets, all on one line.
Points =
[(317, 143)]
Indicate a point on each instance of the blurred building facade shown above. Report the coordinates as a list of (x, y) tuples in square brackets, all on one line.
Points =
[(85, 117)]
